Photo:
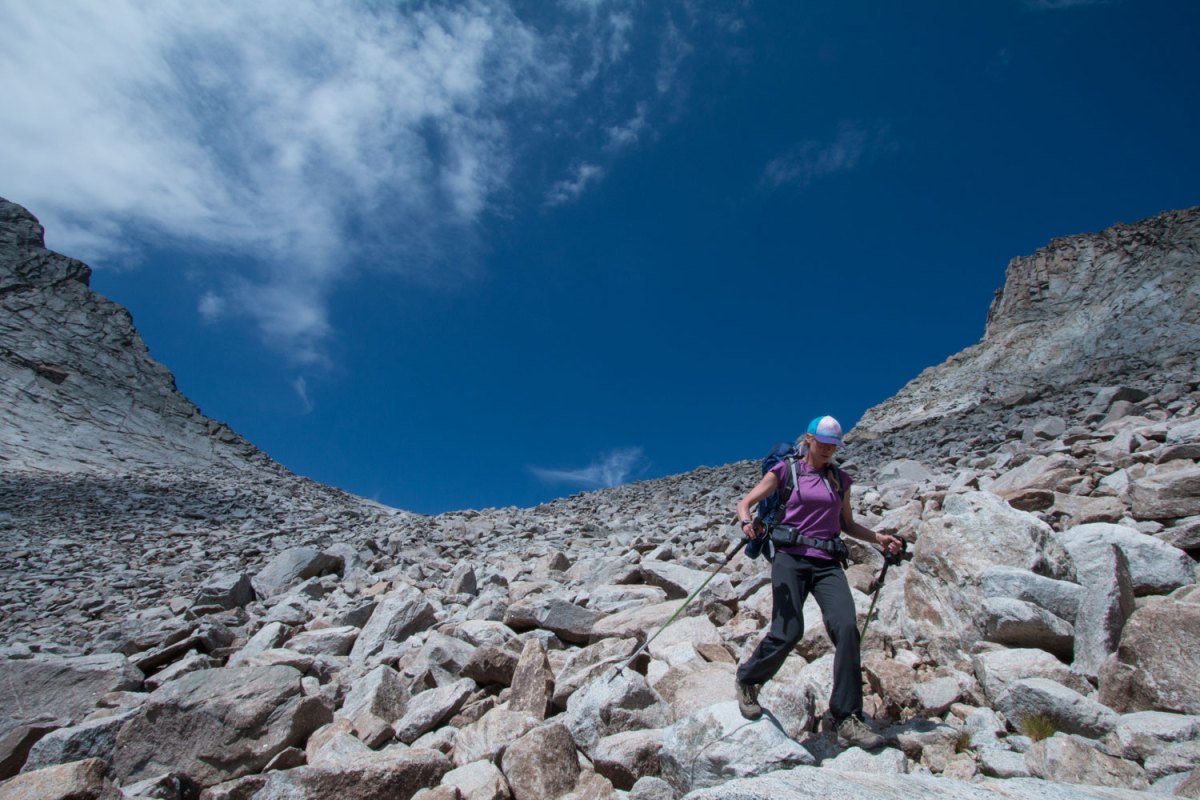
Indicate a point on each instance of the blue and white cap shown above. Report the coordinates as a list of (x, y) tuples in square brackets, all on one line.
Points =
[(826, 430)]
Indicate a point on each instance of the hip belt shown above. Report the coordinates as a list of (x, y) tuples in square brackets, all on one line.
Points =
[(786, 536)]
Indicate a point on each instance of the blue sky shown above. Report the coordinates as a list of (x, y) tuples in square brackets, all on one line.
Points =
[(452, 255)]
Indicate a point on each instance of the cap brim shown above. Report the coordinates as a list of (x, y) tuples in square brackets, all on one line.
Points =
[(827, 440)]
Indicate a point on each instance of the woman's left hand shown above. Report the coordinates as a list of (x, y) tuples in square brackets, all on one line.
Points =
[(890, 544)]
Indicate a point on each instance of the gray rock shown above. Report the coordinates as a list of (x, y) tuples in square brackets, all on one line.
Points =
[(64, 688), (325, 641), (692, 685), (1167, 495), (904, 469), (463, 581), (1060, 598), (430, 709), (541, 765), (169, 786), (1154, 566), (480, 632), (1190, 785), (610, 599), (441, 661), (1185, 432), (479, 780), (679, 581), (570, 622), (380, 695), (1070, 711), (1045, 428), (978, 530), (1184, 534), (340, 747), (491, 665), (605, 707), (651, 788), (490, 735), (225, 590), (1176, 757), (1144, 733), (217, 724), (92, 739), (885, 762), (588, 664), (207, 636), (792, 696), (1107, 604), (191, 662), (717, 744), (16, 742), (934, 697), (77, 383), (809, 783), (1070, 510), (78, 780), (292, 566), (999, 763), (995, 670), (394, 772), (268, 637), (633, 622), (1020, 624), (1040, 472), (1155, 665), (400, 614), (1067, 760), (532, 682), (624, 758)]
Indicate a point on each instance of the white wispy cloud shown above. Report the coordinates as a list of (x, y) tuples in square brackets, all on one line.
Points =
[(627, 134), (570, 188), (300, 385), (611, 469), (211, 306), (295, 135), (810, 160)]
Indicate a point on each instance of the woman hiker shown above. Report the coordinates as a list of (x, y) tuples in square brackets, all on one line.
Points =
[(808, 556)]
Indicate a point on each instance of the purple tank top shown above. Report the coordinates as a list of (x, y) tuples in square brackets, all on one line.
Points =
[(814, 509)]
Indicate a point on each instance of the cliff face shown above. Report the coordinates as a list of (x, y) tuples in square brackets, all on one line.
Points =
[(78, 387), (1103, 307)]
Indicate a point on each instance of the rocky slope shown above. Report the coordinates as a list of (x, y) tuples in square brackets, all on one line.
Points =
[(223, 629)]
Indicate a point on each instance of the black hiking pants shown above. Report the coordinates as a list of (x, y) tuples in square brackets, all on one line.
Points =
[(793, 578)]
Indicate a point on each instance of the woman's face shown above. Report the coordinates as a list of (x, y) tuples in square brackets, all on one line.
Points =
[(820, 453)]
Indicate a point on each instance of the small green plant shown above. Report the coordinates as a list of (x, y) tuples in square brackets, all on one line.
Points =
[(963, 743), (1038, 727)]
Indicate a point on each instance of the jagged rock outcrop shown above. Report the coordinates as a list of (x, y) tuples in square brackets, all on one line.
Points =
[(77, 384), (1086, 310)]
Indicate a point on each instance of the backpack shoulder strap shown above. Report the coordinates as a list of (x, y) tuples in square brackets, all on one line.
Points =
[(840, 474)]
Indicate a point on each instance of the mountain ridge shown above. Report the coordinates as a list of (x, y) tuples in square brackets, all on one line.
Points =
[(1086, 308)]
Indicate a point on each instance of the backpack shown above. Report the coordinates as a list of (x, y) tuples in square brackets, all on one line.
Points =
[(770, 509)]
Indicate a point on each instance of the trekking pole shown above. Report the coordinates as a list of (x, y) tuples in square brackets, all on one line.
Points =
[(888, 560), (729, 557)]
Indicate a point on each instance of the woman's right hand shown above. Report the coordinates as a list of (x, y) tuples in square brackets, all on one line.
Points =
[(752, 528)]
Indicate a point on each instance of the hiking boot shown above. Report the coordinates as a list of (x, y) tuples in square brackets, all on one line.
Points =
[(747, 697), (853, 732)]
